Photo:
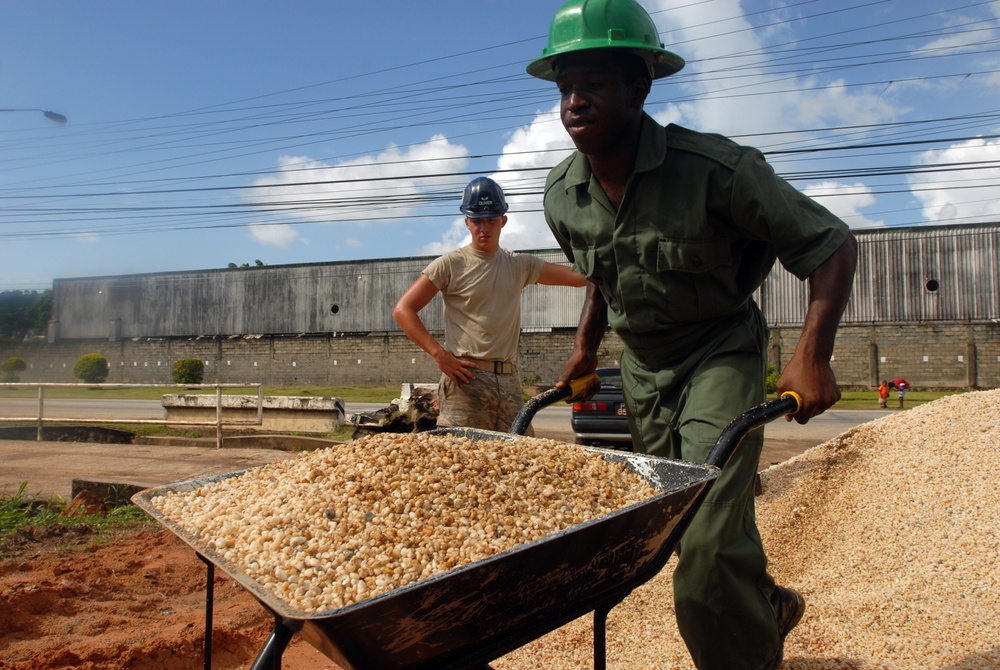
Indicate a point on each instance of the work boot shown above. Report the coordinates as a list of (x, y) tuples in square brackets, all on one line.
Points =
[(789, 606)]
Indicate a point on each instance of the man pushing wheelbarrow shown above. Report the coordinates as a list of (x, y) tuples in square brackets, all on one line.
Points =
[(675, 230)]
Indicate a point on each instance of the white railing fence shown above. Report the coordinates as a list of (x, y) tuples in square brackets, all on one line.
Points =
[(41, 419)]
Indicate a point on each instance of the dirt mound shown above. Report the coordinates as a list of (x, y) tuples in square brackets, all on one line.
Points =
[(138, 602)]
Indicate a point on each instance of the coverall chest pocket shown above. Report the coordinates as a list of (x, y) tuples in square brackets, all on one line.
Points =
[(695, 277), (691, 256), (586, 260)]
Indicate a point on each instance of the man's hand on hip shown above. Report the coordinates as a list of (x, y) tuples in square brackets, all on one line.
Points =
[(459, 371)]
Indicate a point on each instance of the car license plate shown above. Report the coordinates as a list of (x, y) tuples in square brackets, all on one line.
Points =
[(621, 411)]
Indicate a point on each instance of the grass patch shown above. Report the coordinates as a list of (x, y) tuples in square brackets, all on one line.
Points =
[(341, 434), (869, 399), (159, 430), (22, 515), (866, 400), (348, 393), (852, 399)]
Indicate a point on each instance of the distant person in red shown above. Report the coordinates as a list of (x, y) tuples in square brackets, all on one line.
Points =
[(883, 394), (901, 386)]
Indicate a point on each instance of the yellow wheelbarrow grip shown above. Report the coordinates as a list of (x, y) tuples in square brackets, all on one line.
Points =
[(796, 397), (546, 398), (580, 383)]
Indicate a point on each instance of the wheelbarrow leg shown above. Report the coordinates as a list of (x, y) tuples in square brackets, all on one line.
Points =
[(601, 633), (269, 657), (209, 600)]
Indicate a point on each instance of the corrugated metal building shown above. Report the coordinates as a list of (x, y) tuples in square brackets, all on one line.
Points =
[(926, 305), (913, 275), (916, 275), (343, 297)]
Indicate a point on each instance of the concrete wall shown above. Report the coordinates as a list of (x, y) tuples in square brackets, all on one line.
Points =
[(305, 413), (938, 355)]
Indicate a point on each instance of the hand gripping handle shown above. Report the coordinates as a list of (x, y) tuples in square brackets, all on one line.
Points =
[(789, 403), (546, 398)]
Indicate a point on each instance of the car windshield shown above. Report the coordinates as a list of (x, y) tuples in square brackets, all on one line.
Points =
[(610, 378)]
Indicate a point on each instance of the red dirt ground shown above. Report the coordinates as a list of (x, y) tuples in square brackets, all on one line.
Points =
[(136, 602)]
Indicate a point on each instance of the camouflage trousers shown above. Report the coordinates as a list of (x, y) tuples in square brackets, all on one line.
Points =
[(489, 402)]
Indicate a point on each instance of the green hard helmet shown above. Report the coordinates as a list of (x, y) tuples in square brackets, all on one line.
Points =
[(599, 24)]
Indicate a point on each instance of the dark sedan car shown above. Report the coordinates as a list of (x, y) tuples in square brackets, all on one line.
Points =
[(603, 420)]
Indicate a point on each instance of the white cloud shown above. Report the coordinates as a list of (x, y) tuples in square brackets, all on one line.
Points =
[(540, 144), (957, 41), (761, 101), (791, 103), (456, 236), (960, 196), (955, 35), (543, 142), (354, 242), (393, 183), (845, 200), (279, 235)]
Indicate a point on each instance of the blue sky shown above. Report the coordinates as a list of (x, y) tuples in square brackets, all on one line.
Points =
[(202, 133)]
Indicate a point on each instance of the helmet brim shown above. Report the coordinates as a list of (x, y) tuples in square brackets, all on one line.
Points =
[(484, 215), (664, 63)]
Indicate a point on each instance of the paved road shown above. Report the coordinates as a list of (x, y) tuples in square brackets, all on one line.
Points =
[(554, 419), (65, 408), (549, 419), (50, 467)]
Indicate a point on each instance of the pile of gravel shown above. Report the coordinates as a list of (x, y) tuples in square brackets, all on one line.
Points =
[(891, 531)]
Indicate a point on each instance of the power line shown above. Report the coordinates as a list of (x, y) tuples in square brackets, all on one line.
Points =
[(221, 133)]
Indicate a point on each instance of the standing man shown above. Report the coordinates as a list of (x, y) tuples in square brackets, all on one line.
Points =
[(901, 386), (481, 286), (675, 230)]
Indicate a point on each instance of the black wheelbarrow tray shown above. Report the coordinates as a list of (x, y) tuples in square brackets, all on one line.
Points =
[(478, 612)]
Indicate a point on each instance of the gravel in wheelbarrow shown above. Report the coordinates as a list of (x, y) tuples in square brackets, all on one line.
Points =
[(479, 611), (474, 613)]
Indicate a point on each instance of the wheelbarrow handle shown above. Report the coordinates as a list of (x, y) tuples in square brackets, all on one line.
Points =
[(789, 403), (546, 398)]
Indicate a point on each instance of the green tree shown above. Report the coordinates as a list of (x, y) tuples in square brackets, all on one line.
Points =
[(41, 311), (189, 371), (23, 313), (772, 379), (10, 367), (91, 368), (15, 318)]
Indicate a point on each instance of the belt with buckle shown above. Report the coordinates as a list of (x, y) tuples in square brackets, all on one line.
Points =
[(503, 368), (496, 367)]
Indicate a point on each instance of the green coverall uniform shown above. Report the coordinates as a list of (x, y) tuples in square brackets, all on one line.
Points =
[(701, 224)]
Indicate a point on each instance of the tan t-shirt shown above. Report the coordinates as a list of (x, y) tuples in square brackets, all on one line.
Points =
[(482, 300)]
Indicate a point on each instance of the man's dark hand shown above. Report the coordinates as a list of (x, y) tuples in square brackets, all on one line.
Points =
[(580, 365)]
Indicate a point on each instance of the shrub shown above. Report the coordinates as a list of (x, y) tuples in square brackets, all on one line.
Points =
[(10, 367), (530, 381), (772, 379), (91, 368), (189, 371)]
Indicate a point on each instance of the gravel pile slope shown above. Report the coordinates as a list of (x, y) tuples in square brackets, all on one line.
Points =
[(891, 531)]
